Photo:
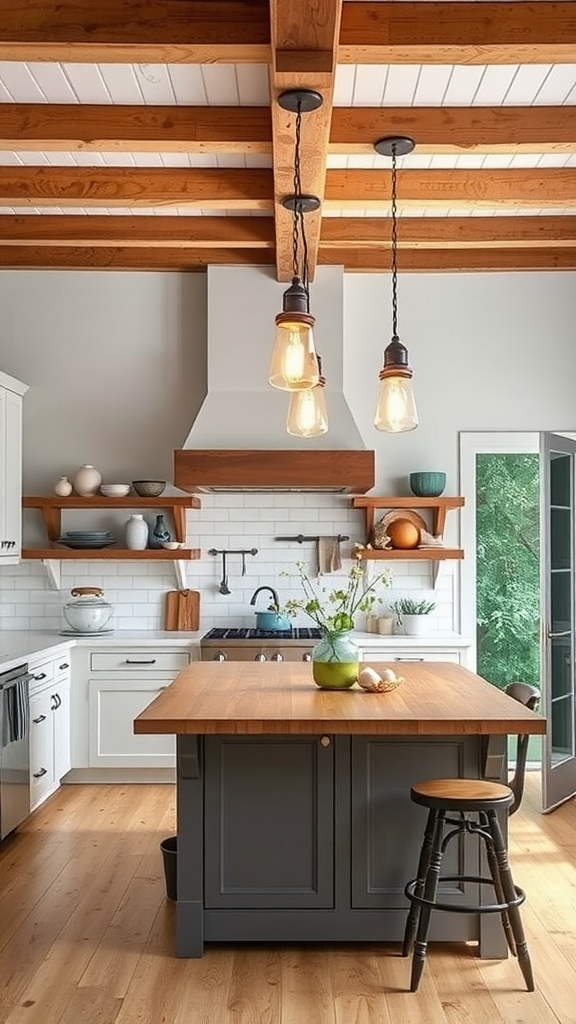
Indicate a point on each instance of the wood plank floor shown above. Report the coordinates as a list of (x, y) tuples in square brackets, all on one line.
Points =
[(86, 935)]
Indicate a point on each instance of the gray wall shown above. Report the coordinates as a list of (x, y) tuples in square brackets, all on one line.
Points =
[(116, 364)]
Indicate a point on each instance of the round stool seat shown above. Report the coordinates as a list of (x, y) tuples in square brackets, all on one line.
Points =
[(461, 794)]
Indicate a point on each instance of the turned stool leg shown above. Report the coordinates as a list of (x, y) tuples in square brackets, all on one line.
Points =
[(509, 891), (429, 893), (495, 875), (423, 865)]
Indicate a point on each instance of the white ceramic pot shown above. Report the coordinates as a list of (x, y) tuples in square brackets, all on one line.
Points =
[(88, 612), (87, 481), (415, 625)]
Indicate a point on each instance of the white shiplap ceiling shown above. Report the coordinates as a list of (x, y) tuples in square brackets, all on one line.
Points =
[(426, 87)]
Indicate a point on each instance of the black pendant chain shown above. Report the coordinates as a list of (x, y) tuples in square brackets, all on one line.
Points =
[(298, 222), (394, 210)]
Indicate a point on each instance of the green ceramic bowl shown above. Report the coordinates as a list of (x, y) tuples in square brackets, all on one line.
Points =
[(427, 485)]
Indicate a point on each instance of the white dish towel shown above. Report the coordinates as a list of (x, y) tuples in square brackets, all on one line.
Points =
[(329, 555)]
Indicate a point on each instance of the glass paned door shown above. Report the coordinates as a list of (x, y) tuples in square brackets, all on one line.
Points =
[(558, 576)]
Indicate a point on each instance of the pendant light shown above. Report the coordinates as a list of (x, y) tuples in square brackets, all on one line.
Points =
[(294, 363), (307, 416), (396, 408)]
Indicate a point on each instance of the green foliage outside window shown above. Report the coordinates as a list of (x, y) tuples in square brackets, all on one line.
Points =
[(507, 570)]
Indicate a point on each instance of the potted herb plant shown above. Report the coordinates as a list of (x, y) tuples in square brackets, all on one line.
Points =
[(411, 614)]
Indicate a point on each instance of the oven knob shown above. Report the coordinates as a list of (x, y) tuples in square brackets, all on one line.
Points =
[(277, 657), (307, 656), (259, 657), (220, 656)]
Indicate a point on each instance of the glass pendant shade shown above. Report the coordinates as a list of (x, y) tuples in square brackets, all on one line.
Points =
[(396, 407), (294, 363), (307, 416)]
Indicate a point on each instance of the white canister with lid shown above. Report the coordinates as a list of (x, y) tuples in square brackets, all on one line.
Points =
[(136, 532)]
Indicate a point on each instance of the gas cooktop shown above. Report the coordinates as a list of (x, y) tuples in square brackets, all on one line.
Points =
[(284, 635)]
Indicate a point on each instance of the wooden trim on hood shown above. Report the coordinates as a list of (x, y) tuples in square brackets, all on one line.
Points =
[(346, 471)]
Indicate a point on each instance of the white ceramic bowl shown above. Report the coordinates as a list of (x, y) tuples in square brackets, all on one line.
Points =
[(115, 490), (171, 545)]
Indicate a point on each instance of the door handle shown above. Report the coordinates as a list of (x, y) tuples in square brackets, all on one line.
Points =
[(564, 632)]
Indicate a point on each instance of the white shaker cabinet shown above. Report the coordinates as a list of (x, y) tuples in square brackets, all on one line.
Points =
[(49, 726), (401, 648), (121, 684), (11, 393)]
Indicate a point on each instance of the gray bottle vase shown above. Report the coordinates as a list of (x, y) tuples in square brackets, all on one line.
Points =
[(159, 533)]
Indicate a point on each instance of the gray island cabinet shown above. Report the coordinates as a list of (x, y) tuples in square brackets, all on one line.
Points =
[(294, 814)]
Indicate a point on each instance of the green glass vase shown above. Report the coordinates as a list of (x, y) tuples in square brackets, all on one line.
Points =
[(335, 661)]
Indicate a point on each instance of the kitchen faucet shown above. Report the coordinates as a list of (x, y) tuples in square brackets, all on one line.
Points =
[(275, 600)]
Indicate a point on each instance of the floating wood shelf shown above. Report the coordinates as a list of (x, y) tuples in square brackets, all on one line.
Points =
[(438, 508), (112, 552), (51, 508)]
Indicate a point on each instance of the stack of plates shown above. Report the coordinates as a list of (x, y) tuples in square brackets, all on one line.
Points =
[(86, 539)]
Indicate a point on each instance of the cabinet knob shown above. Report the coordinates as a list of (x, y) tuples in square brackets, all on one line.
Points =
[(325, 741), (277, 657), (259, 657)]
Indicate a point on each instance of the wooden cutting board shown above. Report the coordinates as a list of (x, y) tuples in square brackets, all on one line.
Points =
[(182, 610)]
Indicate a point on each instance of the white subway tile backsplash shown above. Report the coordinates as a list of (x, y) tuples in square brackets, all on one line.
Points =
[(137, 588)]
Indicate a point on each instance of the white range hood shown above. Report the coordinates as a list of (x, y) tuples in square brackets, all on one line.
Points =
[(242, 414)]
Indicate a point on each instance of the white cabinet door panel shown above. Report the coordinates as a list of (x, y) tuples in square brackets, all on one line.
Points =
[(114, 704)]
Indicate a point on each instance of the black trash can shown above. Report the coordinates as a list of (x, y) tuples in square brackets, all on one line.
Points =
[(169, 849)]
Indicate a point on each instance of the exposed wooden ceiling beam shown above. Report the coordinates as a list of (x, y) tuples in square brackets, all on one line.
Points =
[(142, 31), (366, 261), (174, 129), (122, 231), (456, 129), (140, 129), (552, 187), (232, 31), (358, 233), (243, 190), (303, 56), (453, 260), (453, 232), (112, 258), (232, 189), (462, 33)]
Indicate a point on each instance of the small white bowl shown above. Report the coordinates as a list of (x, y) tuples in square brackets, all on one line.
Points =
[(115, 490), (171, 545)]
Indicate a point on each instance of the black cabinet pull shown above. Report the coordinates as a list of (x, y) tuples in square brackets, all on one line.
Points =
[(41, 675), (39, 774), (137, 661), (37, 721), (63, 666)]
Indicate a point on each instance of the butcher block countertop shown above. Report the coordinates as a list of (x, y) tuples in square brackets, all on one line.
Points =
[(257, 698)]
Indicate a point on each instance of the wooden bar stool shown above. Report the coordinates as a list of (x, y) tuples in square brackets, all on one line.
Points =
[(469, 806)]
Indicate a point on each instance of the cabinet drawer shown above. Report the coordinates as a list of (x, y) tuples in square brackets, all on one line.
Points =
[(138, 661), (378, 654), (43, 673)]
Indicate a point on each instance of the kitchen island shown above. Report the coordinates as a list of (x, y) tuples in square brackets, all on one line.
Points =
[(294, 814)]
